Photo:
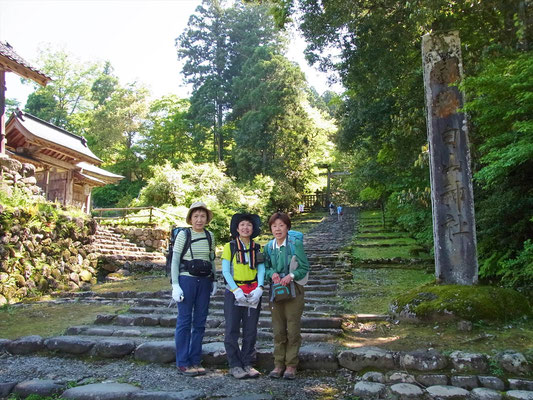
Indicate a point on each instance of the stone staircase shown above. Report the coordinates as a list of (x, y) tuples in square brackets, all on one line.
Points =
[(119, 252), (150, 320), (138, 346)]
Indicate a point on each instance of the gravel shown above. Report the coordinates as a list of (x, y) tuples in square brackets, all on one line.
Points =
[(215, 384)]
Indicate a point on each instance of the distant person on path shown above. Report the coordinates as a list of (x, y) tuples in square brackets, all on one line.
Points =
[(193, 282), (331, 208), (287, 314), (339, 213), (244, 272)]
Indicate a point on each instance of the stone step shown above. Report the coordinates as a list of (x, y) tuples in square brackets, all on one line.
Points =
[(127, 256), (374, 245), (314, 356), (265, 311), (114, 240), (170, 320), (218, 300), (142, 333)]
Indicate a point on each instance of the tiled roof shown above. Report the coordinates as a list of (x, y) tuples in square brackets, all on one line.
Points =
[(7, 51), (51, 133), (98, 171)]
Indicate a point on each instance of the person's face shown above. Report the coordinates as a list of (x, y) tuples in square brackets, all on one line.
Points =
[(198, 220), (279, 229), (245, 229)]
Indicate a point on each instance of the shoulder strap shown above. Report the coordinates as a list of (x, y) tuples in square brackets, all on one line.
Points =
[(233, 249), (209, 239), (187, 244)]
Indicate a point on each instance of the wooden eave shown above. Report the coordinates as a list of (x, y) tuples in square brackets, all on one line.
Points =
[(89, 180), (18, 136), (25, 159), (12, 66)]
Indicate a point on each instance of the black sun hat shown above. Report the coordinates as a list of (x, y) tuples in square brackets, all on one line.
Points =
[(253, 218)]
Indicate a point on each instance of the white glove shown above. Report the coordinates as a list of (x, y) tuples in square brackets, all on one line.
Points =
[(239, 295), (177, 293), (214, 290), (255, 295)]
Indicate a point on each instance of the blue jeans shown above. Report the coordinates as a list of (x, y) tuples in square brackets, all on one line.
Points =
[(192, 311), (237, 316)]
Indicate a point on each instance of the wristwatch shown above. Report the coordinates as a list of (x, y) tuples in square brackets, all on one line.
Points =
[(291, 275)]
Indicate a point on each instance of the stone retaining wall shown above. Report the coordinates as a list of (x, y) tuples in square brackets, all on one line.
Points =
[(153, 239), (15, 174), (40, 252)]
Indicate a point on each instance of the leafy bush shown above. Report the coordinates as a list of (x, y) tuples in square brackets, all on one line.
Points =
[(411, 210), (501, 109), (116, 195), (177, 188), (283, 197)]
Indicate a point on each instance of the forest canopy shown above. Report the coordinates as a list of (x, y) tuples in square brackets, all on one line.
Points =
[(253, 123)]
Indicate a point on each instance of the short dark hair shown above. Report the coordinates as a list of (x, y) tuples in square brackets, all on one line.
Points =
[(279, 215)]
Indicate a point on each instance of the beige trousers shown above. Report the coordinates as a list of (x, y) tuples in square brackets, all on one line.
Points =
[(286, 324)]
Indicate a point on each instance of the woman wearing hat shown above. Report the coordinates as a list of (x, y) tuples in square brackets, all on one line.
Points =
[(193, 281), (244, 273)]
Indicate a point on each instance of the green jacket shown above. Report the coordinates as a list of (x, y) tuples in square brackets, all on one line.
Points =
[(276, 259)]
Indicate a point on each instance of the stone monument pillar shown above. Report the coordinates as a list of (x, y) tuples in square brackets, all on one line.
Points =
[(452, 199)]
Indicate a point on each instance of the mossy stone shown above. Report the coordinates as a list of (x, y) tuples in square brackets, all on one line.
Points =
[(473, 303)]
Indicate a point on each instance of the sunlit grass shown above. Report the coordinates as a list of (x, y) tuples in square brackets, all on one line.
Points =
[(48, 319)]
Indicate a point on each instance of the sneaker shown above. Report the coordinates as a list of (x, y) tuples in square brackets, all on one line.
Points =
[(252, 372), (199, 369), (188, 371), (276, 373), (238, 372), (290, 373)]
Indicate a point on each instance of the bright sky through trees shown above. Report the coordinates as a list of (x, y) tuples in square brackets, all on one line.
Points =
[(136, 36)]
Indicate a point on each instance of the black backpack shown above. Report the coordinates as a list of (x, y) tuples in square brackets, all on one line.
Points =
[(173, 235)]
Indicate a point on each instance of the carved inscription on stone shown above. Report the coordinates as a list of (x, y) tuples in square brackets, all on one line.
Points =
[(451, 183)]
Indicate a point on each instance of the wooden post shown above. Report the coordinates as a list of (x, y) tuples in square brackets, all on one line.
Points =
[(2, 111), (454, 230)]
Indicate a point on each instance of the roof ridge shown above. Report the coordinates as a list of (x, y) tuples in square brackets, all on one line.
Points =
[(82, 139)]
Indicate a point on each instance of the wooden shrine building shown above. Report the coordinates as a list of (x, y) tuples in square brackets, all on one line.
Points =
[(10, 61), (66, 169)]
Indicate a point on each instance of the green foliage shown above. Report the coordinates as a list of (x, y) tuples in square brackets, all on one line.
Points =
[(381, 119), (67, 94), (166, 187), (215, 45), (501, 107), (190, 182), (166, 135), (284, 197), (411, 210), (274, 135), (116, 195)]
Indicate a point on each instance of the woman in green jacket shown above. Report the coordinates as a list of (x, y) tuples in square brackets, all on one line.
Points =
[(286, 315)]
